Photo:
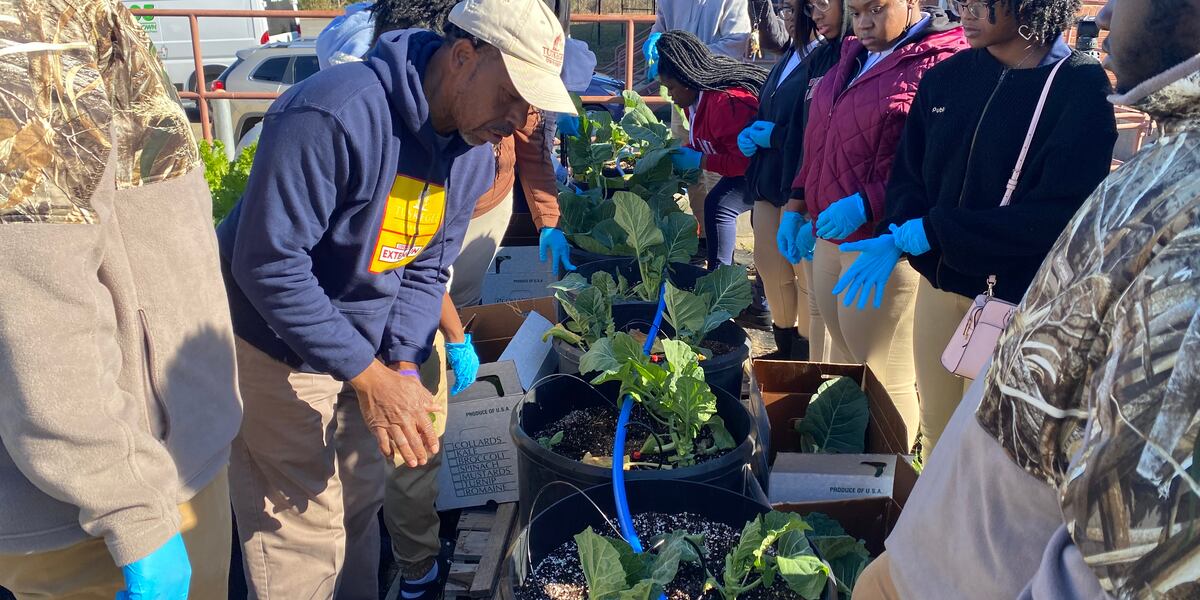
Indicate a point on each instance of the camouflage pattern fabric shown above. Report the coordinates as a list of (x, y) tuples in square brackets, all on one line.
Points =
[(80, 81), (1095, 388)]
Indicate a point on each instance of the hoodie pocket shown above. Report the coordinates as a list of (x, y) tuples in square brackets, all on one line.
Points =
[(160, 422)]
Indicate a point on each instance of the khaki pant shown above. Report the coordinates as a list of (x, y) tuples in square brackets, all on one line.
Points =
[(937, 317), (785, 284), (409, 500), (479, 248), (875, 582), (307, 481), (86, 571), (881, 338)]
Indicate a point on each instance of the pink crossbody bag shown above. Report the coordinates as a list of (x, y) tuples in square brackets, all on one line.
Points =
[(977, 335)]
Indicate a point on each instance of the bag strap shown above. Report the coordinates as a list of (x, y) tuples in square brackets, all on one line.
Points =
[(1037, 116)]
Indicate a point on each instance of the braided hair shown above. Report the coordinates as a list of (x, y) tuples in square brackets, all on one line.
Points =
[(390, 15), (1042, 20), (684, 57)]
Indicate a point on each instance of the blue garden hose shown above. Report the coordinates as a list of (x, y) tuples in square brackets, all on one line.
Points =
[(618, 466)]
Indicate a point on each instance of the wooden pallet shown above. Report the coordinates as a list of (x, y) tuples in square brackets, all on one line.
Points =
[(483, 536)]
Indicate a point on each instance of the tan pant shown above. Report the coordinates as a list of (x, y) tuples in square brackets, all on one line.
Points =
[(307, 481), (479, 248), (787, 285), (881, 338), (86, 571), (937, 317), (875, 582), (409, 499)]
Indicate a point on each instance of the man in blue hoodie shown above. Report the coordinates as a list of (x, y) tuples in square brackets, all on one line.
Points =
[(336, 261)]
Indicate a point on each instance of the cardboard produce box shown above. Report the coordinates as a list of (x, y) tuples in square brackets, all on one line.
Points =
[(479, 460), (784, 389), (513, 331), (517, 273)]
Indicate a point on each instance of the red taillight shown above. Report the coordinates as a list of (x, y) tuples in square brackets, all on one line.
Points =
[(298, 31), (218, 86), (266, 37)]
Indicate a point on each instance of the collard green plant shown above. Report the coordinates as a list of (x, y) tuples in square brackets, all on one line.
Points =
[(673, 391), (588, 306), (836, 419), (847, 556), (772, 545), (717, 298), (615, 572), (226, 179)]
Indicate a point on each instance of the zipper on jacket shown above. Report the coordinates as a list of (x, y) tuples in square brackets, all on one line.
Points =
[(155, 391), (970, 157)]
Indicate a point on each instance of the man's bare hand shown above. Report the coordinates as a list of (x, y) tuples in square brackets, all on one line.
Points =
[(397, 410)]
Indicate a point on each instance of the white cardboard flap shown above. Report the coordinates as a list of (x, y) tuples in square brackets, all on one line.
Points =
[(797, 477)]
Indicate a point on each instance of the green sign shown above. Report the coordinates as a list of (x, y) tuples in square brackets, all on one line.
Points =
[(149, 24)]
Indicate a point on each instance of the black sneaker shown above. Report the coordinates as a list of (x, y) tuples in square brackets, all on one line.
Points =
[(754, 318), (429, 590)]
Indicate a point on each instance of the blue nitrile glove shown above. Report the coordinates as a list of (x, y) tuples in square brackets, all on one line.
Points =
[(911, 237), (802, 247), (790, 223), (842, 218), (745, 144), (650, 53), (462, 358), (568, 125), (552, 244), (871, 269), (686, 159), (163, 575), (760, 133)]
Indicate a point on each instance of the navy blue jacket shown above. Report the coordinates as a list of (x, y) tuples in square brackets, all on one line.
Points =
[(340, 248)]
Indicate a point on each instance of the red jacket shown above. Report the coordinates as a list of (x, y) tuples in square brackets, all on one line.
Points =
[(716, 120), (853, 132)]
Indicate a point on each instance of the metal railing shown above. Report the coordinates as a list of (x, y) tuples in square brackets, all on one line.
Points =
[(203, 95)]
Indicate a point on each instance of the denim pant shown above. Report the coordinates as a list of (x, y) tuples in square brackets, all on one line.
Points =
[(725, 202)]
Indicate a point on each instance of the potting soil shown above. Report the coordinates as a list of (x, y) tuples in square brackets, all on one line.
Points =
[(593, 430), (559, 576)]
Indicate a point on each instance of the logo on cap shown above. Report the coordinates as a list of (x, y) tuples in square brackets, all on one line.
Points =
[(554, 54)]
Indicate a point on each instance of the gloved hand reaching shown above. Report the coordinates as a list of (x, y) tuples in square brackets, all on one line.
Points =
[(464, 361), (842, 218), (567, 125), (871, 270), (911, 237), (552, 244), (757, 135), (650, 53), (686, 159), (164, 574)]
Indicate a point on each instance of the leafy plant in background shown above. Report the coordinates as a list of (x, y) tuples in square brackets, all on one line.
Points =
[(615, 572), (674, 393), (588, 307), (718, 296), (773, 545), (836, 419), (846, 556), (226, 179)]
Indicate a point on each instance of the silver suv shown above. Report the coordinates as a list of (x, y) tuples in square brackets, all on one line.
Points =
[(270, 68)]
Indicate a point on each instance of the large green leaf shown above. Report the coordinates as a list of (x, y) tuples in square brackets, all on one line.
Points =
[(693, 405), (685, 311), (654, 165), (681, 239), (666, 561), (602, 126), (601, 564), (604, 281), (804, 573), (599, 358), (728, 289), (560, 332), (836, 419), (722, 439), (573, 282), (645, 589), (847, 557), (823, 525), (634, 216)]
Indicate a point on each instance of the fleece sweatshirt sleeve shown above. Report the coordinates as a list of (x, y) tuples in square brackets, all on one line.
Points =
[(907, 197), (304, 165), (725, 118), (1065, 173), (64, 419)]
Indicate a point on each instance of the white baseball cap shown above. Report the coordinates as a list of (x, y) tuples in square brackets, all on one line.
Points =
[(531, 41)]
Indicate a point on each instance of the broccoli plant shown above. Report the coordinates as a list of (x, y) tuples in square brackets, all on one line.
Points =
[(588, 306), (773, 545), (718, 296), (672, 390), (615, 572)]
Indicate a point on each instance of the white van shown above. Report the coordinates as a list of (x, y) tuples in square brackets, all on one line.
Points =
[(220, 37)]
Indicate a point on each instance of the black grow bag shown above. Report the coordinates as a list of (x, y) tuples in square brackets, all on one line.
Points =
[(553, 398), (561, 520), (722, 372)]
